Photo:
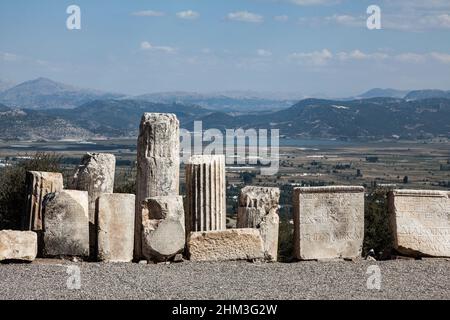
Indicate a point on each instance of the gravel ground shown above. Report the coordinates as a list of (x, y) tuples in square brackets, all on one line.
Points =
[(401, 279)]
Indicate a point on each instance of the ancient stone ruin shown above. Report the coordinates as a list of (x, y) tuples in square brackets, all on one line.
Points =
[(205, 189), (39, 184), (158, 164), (420, 222), (95, 175), (328, 222), (93, 221), (232, 244), (163, 230), (18, 245), (115, 229), (258, 208), (66, 224)]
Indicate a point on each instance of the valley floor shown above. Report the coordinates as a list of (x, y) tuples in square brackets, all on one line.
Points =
[(400, 279)]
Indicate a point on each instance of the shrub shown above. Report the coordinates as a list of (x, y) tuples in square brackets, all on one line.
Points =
[(377, 233)]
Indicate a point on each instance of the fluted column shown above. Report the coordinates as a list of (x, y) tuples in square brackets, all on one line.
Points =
[(158, 164), (206, 188)]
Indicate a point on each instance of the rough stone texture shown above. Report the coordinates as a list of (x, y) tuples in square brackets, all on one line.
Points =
[(95, 175), (158, 163), (18, 245), (39, 184), (163, 233), (206, 188), (328, 222), (66, 224), (258, 208), (115, 227), (233, 244), (420, 222)]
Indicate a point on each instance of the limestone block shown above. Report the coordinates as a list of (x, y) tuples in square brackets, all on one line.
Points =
[(420, 222), (258, 208), (66, 224), (328, 222), (39, 184), (95, 175), (232, 244), (18, 245), (163, 228), (158, 163), (115, 227)]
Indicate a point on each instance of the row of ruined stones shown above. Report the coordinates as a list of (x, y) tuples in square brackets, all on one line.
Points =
[(156, 225)]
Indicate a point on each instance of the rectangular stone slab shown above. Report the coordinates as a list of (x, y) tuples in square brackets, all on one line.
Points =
[(18, 245), (232, 244), (328, 222), (420, 222), (115, 227), (66, 224)]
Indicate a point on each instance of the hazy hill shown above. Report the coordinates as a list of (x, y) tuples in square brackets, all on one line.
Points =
[(427, 94), (225, 102), (5, 85), (44, 93), (383, 93)]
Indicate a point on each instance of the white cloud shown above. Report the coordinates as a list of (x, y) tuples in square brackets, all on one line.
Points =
[(316, 58), (359, 55), (282, 18), (148, 13), (245, 16), (410, 57), (263, 53), (313, 2), (441, 57), (145, 45), (9, 57), (188, 15), (325, 57)]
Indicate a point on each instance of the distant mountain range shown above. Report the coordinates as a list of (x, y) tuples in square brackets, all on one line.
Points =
[(362, 119), (44, 93), (44, 109)]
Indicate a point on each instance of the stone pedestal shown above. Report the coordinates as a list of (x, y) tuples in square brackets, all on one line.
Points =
[(163, 228), (328, 222), (158, 163), (206, 198), (115, 227), (258, 208), (39, 184), (232, 244), (95, 175), (420, 222), (66, 224)]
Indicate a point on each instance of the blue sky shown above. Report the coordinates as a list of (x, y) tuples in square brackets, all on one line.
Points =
[(303, 46)]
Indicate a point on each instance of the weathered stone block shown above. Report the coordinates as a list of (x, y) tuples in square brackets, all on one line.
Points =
[(328, 222), (258, 208), (420, 222), (66, 224), (163, 233), (233, 244), (115, 227), (18, 245), (39, 184), (95, 175), (158, 163)]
